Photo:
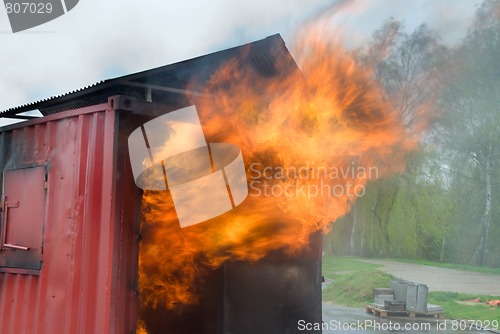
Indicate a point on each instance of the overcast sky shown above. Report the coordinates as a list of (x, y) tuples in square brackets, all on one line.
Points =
[(102, 39)]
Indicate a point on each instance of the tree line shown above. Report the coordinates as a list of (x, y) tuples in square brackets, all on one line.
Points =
[(446, 205)]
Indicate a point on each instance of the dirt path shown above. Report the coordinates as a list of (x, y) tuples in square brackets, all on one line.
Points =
[(442, 279)]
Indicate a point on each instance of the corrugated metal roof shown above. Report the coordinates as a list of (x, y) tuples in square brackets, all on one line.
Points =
[(173, 78)]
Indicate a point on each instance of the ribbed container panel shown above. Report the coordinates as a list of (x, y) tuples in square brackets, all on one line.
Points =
[(88, 275)]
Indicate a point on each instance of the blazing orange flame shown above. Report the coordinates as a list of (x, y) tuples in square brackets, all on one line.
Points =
[(315, 121)]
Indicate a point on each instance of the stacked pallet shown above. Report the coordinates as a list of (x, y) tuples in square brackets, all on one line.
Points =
[(403, 298)]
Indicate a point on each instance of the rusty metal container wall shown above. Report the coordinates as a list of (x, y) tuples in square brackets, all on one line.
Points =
[(88, 276)]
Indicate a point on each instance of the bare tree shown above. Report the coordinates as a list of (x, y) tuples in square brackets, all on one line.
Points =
[(408, 67), (471, 126)]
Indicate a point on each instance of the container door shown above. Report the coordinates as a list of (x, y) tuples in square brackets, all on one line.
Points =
[(23, 210)]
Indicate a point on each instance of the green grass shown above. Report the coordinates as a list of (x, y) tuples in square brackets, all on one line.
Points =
[(335, 265), (455, 310), (466, 267), (356, 289), (353, 283)]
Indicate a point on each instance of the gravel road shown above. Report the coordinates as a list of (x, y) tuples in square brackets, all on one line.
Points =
[(442, 279), (346, 320)]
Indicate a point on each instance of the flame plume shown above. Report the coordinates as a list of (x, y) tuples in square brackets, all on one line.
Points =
[(315, 120)]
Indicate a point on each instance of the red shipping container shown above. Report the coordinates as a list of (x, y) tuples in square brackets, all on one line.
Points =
[(69, 233), (64, 167)]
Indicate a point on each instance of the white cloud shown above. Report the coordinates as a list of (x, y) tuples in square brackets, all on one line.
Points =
[(75, 50)]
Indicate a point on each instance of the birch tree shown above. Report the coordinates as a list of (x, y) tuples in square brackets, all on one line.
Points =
[(471, 124)]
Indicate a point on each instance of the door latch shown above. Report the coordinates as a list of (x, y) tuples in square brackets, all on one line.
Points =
[(5, 213)]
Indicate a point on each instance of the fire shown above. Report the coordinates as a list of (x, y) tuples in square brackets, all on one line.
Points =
[(301, 136)]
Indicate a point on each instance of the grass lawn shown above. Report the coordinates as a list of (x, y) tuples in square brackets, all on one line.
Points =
[(355, 289), (471, 311), (334, 266), (353, 282)]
